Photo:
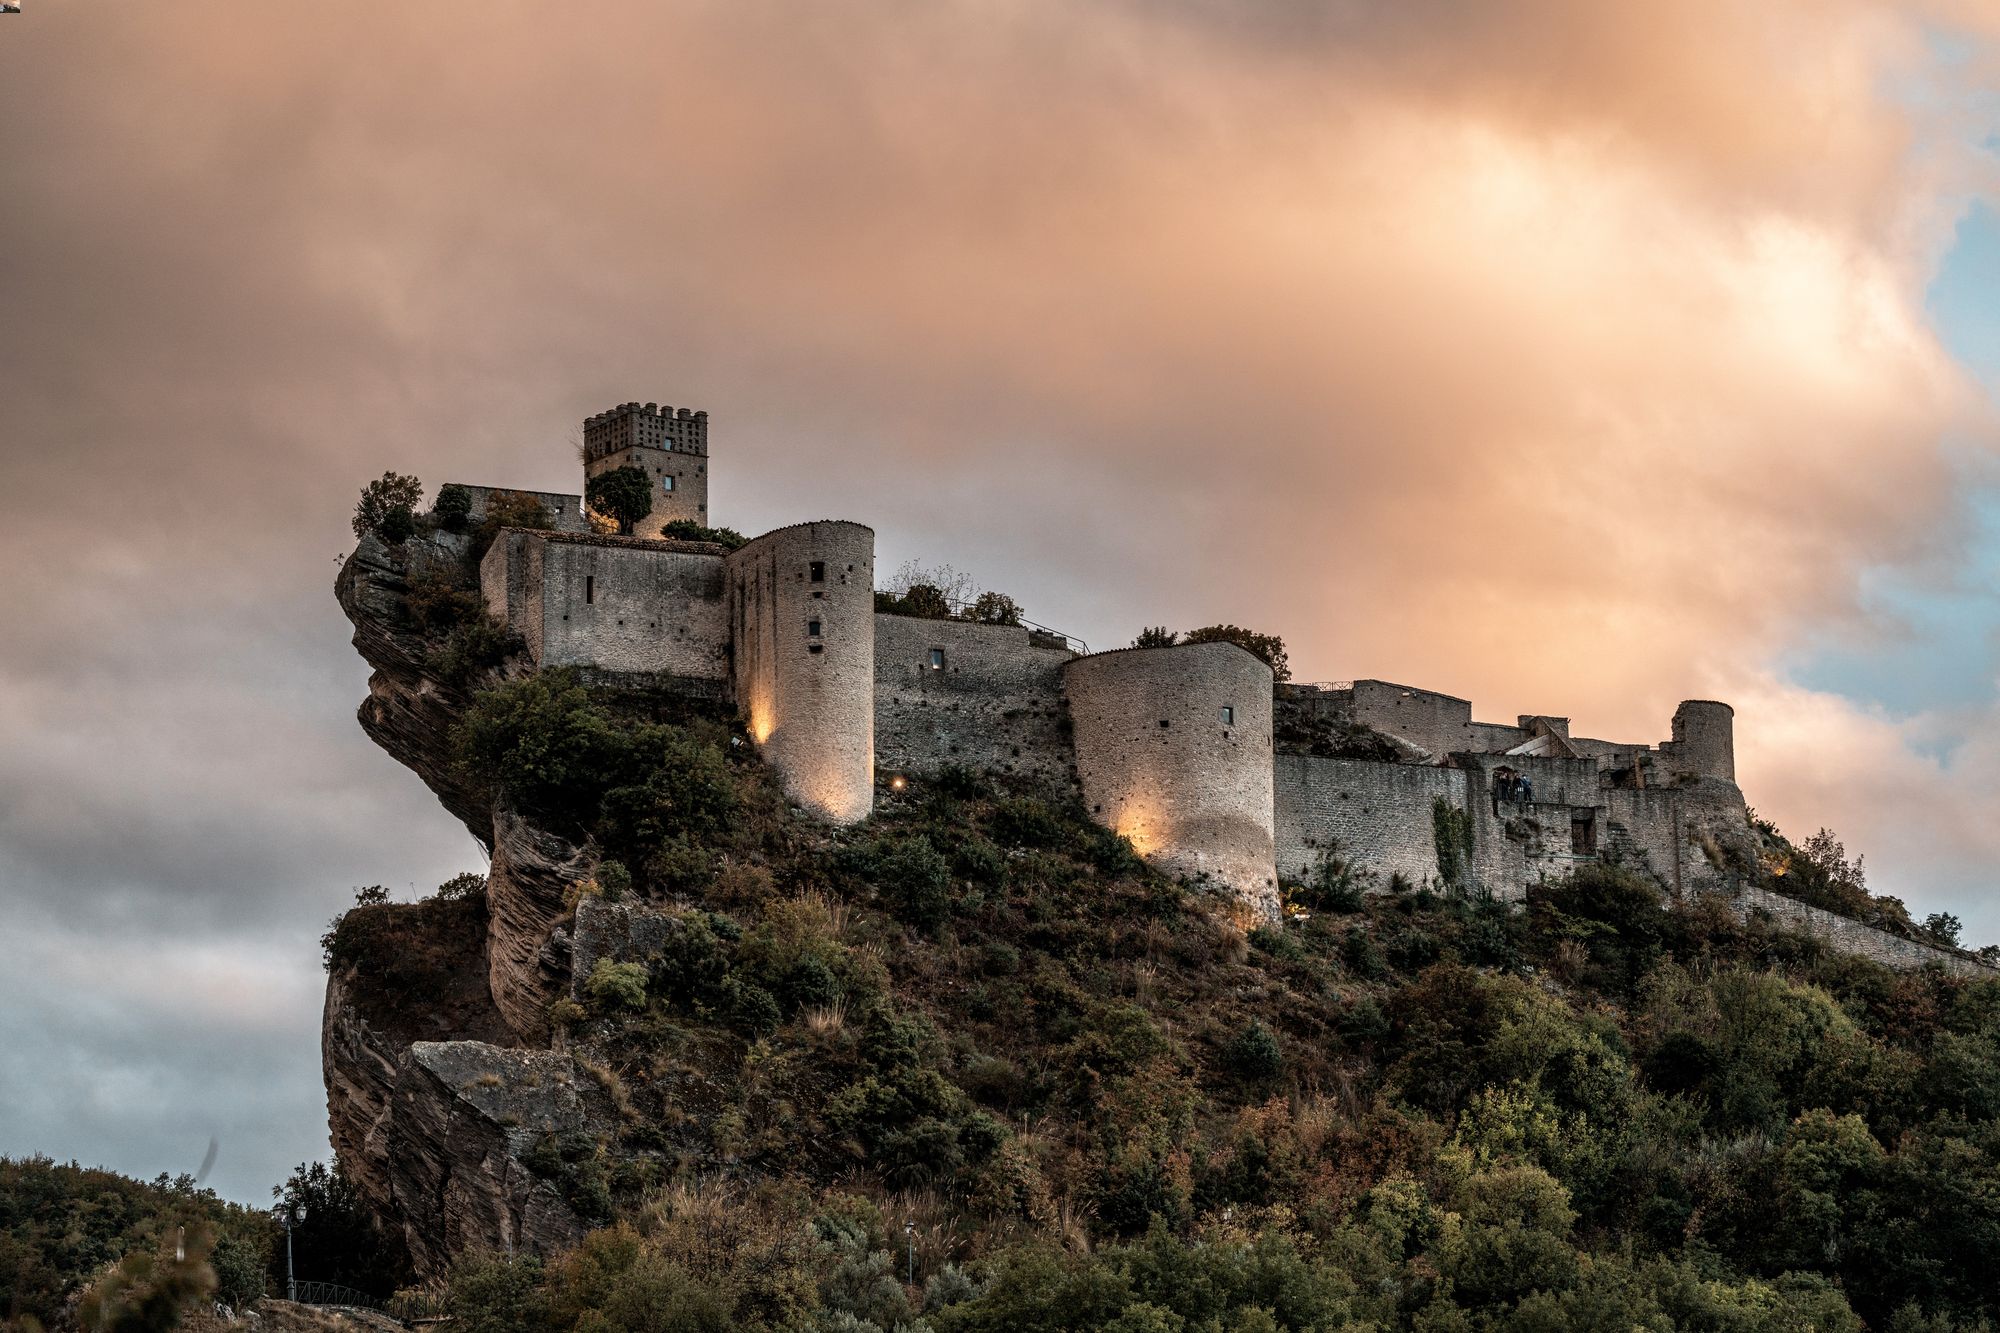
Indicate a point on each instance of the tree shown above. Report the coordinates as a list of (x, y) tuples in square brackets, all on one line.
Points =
[(925, 601), (995, 608), (1267, 647), (624, 494), (1156, 636), (452, 507), (1943, 927), (391, 494), (334, 1234)]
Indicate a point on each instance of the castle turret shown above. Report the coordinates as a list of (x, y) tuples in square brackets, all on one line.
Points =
[(1173, 750), (669, 445), (1704, 743), (802, 631)]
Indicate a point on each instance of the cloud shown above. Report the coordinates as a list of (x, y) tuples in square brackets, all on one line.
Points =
[(1540, 352)]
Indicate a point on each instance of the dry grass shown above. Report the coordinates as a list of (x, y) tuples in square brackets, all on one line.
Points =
[(827, 1021)]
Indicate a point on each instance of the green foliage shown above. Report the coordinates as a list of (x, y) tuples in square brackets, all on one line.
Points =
[(1331, 885), (335, 1237), (506, 509), (994, 608), (61, 1225), (1156, 636), (452, 507), (622, 494), (921, 600), (613, 985), (471, 884), (1266, 648), (1254, 1054), (687, 530), (1451, 835), (388, 504)]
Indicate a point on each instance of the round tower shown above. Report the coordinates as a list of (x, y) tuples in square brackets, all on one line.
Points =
[(802, 633), (1704, 743), (1173, 750)]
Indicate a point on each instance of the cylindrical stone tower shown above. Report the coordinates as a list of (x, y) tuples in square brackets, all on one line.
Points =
[(1173, 750), (1705, 739), (802, 644)]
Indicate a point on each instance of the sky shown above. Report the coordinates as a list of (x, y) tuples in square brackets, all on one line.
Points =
[(1572, 358)]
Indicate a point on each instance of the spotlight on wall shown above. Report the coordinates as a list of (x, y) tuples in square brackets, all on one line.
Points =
[(898, 782)]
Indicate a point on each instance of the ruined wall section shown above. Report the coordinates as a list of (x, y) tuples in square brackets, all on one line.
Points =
[(802, 621), (510, 581), (1518, 843), (1379, 817), (983, 696), (1161, 762), (1704, 741), (565, 511), (1851, 937)]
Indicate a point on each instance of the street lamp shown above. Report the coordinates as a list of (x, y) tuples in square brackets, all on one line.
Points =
[(289, 1213)]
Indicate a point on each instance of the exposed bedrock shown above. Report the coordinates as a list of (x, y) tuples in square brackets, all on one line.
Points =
[(529, 888)]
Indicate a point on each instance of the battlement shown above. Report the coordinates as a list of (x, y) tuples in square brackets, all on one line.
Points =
[(645, 426)]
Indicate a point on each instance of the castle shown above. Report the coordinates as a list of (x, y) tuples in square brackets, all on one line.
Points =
[(1174, 747)]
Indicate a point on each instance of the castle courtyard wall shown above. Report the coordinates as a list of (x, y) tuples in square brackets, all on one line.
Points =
[(565, 512), (1379, 817), (995, 704)]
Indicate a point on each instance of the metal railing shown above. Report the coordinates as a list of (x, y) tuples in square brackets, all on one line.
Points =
[(959, 608), (332, 1293)]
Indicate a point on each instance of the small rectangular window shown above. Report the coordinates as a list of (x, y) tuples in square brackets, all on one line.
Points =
[(589, 589), (937, 659), (812, 628), (819, 571), (1228, 716), (667, 484)]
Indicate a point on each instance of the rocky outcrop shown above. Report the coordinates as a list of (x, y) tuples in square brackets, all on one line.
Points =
[(466, 1119), (529, 889), (360, 1067), (409, 712)]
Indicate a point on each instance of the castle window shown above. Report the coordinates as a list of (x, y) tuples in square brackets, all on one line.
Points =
[(667, 484), (1228, 715), (812, 628), (589, 589), (819, 571), (937, 659)]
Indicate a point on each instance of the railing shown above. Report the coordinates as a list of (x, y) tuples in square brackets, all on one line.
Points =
[(1069, 641), (332, 1293)]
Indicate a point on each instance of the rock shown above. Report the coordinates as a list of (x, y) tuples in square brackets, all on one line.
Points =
[(360, 1068), (528, 891), (409, 712), (464, 1116), (626, 932)]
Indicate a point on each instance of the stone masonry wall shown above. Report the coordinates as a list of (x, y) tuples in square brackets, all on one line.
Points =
[(564, 511), (1851, 937), (1160, 762), (626, 605), (995, 704), (802, 620), (1379, 816)]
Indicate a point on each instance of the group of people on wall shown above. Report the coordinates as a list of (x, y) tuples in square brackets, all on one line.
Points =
[(1510, 784)]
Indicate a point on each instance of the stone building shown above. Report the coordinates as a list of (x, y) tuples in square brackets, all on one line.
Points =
[(1173, 747)]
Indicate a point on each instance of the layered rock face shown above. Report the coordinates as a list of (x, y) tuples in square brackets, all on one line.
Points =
[(443, 1102)]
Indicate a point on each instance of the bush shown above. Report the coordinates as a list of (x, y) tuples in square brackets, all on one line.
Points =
[(687, 530), (616, 985), (1254, 1054), (994, 608), (390, 495), (452, 507)]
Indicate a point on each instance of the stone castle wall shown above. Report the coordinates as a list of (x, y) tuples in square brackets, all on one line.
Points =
[(993, 703), (1378, 816), (565, 511), (1159, 761), (802, 619)]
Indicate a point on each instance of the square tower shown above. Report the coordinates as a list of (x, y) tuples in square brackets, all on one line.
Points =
[(669, 446)]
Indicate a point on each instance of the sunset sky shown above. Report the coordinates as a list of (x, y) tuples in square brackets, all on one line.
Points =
[(1571, 357)]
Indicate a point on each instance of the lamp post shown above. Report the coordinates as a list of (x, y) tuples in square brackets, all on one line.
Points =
[(288, 1213)]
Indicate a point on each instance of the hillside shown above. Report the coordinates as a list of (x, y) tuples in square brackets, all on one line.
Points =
[(695, 1061)]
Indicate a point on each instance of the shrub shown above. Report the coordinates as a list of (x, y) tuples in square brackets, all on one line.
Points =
[(1025, 821), (476, 646), (391, 494), (468, 885), (687, 530), (1253, 1053), (452, 507), (1267, 648), (617, 985), (1331, 884), (994, 608)]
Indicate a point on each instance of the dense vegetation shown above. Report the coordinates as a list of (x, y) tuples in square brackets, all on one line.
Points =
[(61, 1225), (977, 1044)]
